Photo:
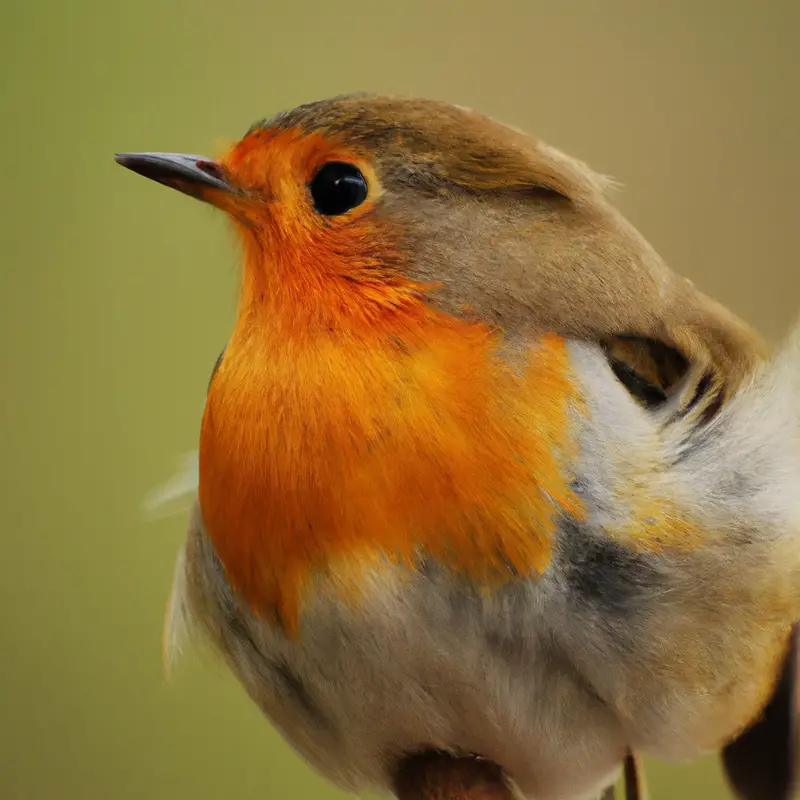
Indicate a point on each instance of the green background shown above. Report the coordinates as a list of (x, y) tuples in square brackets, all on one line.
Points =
[(118, 294)]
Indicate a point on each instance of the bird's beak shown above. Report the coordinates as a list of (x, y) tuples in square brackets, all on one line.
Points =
[(193, 175)]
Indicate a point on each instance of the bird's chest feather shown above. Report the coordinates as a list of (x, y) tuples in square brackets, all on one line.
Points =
[(323, 456)]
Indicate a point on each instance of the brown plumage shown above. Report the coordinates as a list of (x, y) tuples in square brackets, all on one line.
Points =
[(553, 254)]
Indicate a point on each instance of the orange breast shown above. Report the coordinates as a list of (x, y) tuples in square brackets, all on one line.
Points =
[(341, 450)]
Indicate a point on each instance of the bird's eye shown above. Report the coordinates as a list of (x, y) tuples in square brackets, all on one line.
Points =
[(337, 188)]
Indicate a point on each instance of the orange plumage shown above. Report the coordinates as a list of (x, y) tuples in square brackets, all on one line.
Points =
[(421, 438)]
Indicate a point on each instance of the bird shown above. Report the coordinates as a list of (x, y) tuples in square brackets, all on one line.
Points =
[(479, 474)]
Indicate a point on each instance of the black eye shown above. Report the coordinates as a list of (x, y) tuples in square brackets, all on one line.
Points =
[(337, 188)]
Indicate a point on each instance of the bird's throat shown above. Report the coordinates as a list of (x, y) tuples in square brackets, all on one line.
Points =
[(323, 457)]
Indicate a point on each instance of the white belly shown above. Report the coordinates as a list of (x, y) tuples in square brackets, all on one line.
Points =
[(421, 662)]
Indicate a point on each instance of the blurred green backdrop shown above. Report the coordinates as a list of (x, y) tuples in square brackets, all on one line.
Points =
[(118, 294)]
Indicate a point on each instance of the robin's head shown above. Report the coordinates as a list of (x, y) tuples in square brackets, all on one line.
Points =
[(358, 209)]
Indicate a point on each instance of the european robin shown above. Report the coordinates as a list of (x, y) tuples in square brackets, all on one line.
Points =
[(478, 473)]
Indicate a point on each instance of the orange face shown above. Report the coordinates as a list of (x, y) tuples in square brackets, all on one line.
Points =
[(318, 269)]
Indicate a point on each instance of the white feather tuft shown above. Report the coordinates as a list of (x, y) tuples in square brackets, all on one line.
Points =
[(174, 496), (176, 623)]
